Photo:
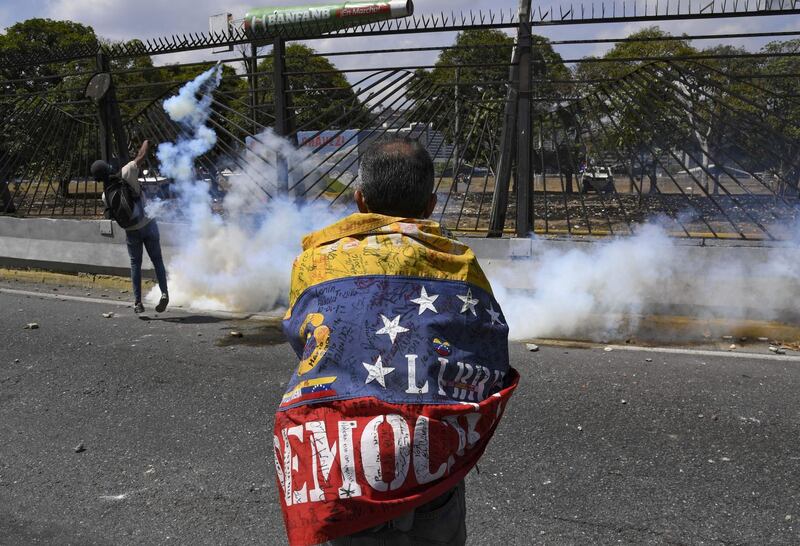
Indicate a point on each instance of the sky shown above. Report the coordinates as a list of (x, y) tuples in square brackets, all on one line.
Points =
[(124, 20)]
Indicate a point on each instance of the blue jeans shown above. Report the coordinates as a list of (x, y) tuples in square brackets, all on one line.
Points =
[(148, 238), (441, 522)]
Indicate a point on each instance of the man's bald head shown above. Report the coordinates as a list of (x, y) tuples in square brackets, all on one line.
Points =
[(397, 178)]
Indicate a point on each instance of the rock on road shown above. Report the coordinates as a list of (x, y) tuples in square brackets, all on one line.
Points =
[(152, 430)]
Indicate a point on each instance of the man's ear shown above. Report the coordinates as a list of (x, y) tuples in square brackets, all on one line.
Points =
[(362, 205), (429, 208)]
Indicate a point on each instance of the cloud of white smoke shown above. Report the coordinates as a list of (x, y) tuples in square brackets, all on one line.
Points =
[(599, 290), (239, 260), (243, 262)]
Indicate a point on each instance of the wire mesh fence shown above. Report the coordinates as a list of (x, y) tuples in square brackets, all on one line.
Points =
[(524, 138)]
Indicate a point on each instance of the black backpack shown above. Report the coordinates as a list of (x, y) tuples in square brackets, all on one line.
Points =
[(121, 203)]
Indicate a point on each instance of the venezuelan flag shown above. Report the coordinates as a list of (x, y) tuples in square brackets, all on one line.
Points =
[(309, 389), (403, 374)]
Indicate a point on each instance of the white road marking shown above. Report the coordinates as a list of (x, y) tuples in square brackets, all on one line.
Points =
[(703, 352), (272, 315), (65, 297), (114, 497)]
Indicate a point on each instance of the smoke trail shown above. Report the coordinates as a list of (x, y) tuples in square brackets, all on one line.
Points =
[(241, 262), (190, 108)]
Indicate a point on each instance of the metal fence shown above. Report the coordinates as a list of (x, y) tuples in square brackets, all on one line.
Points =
[(525, 138)]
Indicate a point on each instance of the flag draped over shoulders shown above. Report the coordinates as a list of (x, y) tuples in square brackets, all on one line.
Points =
[(403, 374)]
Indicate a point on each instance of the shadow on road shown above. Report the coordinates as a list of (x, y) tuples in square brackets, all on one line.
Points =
[(270, 334), (191, 319)]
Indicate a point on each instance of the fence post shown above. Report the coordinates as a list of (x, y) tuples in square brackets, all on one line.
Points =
[(456, 124), (502, 180), (254, 85), (497, 218), (282, 123), (103, 125), (111, 130), (524, 126)]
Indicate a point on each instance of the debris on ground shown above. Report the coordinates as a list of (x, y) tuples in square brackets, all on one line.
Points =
[(31, 326), (727, 338), (732, 347), (532, 347), (108, 315), (648, 359), (608, 349), (777, 350), (16, 360), (763, 339), (80, 448), (235, 333)]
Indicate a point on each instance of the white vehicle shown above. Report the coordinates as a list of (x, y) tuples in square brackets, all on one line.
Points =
[(599, 179)]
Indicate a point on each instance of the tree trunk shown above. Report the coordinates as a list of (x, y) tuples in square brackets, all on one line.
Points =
[(63, 188), (651, 174), (6, 202)]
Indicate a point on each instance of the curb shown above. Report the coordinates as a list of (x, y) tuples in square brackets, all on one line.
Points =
[(83, 280)]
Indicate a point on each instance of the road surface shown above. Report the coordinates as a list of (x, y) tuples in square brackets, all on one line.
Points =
[(175, 419)]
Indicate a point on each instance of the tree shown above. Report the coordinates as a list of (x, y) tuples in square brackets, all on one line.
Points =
[(464, 87), (631, 107), (708, 90), (43, 37), (469, 83), (321, 97), (43, 82), (781, 110)]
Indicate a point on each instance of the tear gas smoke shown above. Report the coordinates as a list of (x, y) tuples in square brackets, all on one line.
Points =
[(240, 261), (190, 108), (598, 291)]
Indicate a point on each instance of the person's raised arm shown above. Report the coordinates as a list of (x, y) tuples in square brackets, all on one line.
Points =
[(140, 156)]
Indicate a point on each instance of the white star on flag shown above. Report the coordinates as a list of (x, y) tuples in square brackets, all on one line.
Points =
[(391, 327), (377, 372), (469, 302), (425, 302), (494, 314)]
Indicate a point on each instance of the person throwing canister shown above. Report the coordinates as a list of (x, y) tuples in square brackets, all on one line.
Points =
[(124, 202)]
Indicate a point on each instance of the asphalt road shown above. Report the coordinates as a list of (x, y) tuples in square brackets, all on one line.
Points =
[(176, 416)]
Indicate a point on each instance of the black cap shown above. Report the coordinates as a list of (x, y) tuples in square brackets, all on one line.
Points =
[(101, 170)]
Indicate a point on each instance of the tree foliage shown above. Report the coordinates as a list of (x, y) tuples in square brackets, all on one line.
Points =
[(321, 97), (35, 37), (469, 82)]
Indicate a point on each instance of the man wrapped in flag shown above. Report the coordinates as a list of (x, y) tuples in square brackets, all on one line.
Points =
[(403, 373)]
